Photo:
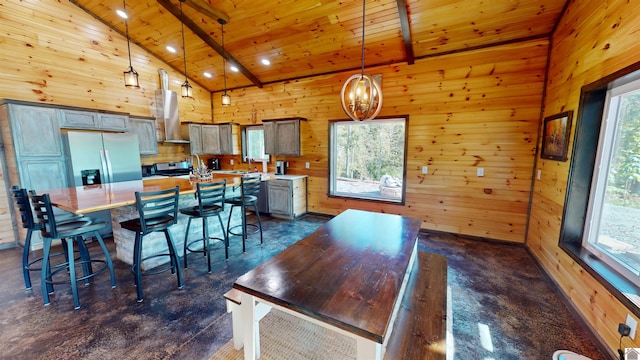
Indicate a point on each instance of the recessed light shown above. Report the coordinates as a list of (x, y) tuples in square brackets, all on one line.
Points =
[(171, 49), (234, 68), (122, 14), (207, 75), (266, 62)]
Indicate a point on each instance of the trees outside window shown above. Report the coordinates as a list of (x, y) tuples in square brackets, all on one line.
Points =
[(367, 159)]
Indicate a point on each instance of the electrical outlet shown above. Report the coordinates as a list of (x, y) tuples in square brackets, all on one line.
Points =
[(632, 324), (231, 161), (306, 165), (480, 171), (425, 169)]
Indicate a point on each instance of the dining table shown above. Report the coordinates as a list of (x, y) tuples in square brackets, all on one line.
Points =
[(348, 276)]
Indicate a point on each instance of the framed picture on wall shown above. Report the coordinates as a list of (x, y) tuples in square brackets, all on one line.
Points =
[(555, 136)]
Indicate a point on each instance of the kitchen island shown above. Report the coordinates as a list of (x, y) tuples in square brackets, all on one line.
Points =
[(120, 199)]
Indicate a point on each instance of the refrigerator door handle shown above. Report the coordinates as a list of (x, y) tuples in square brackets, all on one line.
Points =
[(108, 163), (105, 167)]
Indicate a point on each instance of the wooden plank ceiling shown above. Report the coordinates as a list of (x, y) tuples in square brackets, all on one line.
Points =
[(304, 38)]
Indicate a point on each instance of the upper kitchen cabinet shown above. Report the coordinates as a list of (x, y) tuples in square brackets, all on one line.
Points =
[(145, 129), (213, 139), (282, 136), (91, 120)]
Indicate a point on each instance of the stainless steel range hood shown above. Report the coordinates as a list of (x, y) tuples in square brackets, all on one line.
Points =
[(167, 110)]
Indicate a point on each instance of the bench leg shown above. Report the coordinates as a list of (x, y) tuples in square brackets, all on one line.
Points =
[(368, 350)]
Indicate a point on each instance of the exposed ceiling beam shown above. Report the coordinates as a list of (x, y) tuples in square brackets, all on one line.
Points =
[(205, 8), (175, 11), (406, 31)]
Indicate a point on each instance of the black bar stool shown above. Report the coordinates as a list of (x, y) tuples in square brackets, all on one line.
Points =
[(249, 193), (69, 232), (210, 202), (158, 210)]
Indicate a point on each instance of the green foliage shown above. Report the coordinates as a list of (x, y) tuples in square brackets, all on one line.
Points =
[(368, 150), (625, 165)]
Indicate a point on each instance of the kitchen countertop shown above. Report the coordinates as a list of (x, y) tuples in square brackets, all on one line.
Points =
[(231, 174)]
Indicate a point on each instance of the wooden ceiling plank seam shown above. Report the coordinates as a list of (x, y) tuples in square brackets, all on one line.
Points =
[(206, 9), (148, 51), (406, 31), (209, 41)]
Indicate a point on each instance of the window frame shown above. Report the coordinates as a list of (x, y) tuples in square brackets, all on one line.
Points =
[(244, 135), (581, 171), (332, 161)]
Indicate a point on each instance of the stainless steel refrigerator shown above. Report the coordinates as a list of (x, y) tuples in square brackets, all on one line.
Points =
[(100, 158)]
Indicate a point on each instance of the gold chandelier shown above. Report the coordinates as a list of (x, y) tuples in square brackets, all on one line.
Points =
[(361, 96)]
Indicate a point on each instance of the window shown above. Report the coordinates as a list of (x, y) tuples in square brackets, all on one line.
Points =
[(253, 143), (367, 159), (612, 231)]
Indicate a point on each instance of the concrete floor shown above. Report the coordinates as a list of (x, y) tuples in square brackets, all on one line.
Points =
[(496, 285)]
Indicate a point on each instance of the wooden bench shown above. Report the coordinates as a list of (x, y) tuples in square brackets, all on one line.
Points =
[(232, 298), (420, 326)]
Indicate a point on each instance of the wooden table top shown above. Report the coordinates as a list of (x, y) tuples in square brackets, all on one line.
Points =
[(85, 199), (348, 273)]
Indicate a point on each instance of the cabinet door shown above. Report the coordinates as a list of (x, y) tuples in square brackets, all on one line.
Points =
[(269, 137), (195, 138), (280, 197), (42, 174), (288, 137), (73, 119), (146, 132), (210, 139), (36, 131), (226, 141), (113, 122)]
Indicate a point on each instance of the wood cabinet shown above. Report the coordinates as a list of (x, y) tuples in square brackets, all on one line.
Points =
[(145, 129), (287, 197), (213, 139), (282, 136), (92, 120)]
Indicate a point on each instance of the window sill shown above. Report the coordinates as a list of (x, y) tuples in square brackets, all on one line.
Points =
[(624, 290)]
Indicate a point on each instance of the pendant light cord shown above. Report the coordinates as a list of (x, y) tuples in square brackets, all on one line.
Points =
[(184, 46), (363, 22), (224, 58), (126, 27)]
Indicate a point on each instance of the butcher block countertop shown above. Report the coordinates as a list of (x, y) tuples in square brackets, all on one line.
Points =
[(85, 199)]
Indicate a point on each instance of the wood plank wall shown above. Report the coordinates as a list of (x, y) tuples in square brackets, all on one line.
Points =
[(53, 52), (594, 39), (468, 110)]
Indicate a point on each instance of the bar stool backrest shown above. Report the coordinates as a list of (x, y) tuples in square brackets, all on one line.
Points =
[(44, 214), (211, 196), (250, 187), (157, 209), (21, 197)]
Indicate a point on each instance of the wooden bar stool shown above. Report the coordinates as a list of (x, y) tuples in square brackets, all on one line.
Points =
[(210, 202), (249, 193), (69, 232), (158, 210)]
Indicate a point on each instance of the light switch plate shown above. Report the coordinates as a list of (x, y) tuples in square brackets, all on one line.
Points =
[(306, 165), (425, 169), (538, 174), (480, 171), (231, 161)]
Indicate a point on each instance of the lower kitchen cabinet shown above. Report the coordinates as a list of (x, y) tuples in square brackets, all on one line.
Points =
[(287, 197)]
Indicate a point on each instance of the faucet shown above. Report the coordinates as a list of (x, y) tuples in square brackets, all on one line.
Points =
[(196, 168), (249, 163)]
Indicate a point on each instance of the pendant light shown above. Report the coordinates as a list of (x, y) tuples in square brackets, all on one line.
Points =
[(226, 99), (187, 89), (130, 76), (361, 96)]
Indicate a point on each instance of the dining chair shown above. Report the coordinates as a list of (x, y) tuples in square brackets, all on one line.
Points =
[(249, 195), (158, 211), (72, 231), (210, 202)]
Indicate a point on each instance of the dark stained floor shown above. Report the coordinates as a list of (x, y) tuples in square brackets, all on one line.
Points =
[(503, 307)]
